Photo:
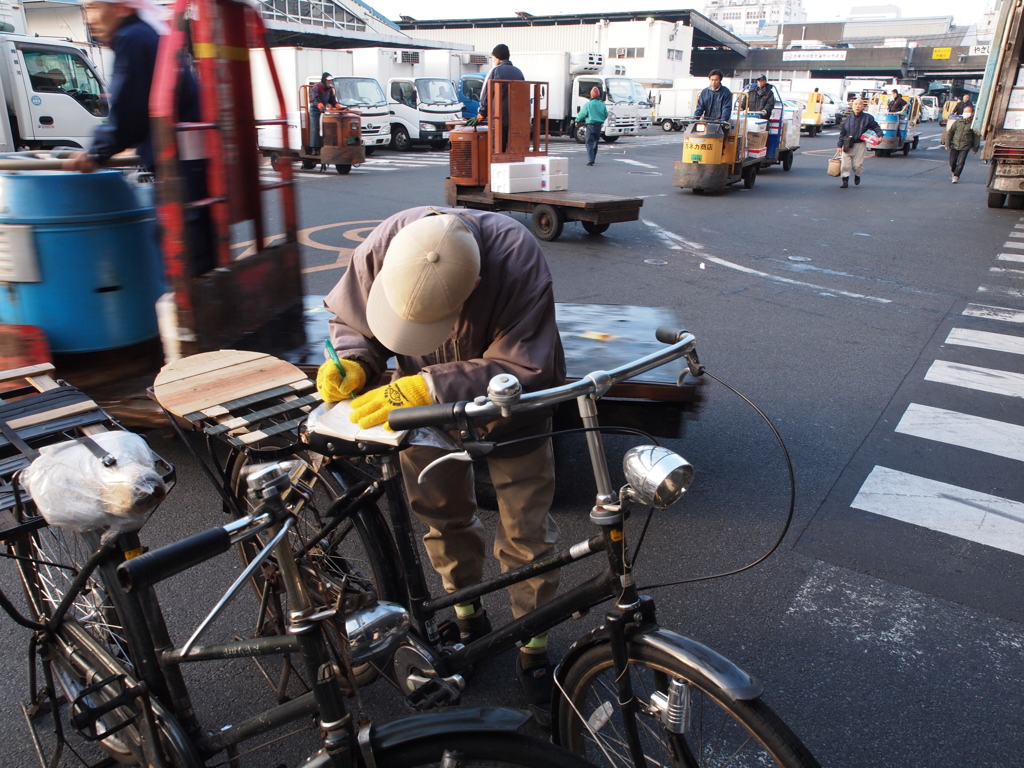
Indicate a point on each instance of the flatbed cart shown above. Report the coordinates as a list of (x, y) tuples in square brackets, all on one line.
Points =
[(517, 129), (342, 131), (550, 210), (714, 156)]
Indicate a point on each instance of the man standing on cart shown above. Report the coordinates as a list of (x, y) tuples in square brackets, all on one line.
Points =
[(321, 96), (761, 98), (458, 297), (715, 101)]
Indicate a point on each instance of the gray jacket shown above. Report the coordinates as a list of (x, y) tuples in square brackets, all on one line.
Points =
[(507, 325)]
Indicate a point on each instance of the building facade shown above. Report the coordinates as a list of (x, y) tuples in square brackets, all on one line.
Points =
[(749, 17)]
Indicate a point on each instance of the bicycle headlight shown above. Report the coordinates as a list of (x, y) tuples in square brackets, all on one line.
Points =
[(657, 475)]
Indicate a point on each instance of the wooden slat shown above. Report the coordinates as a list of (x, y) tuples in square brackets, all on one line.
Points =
[(195, 364), (232, 425), (56, 413), (223, 385), (568, 199), (26, 372)]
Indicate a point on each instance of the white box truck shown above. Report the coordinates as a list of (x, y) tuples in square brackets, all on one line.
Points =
[(570, 76), (52, 94), (420, 105), (304, 66)]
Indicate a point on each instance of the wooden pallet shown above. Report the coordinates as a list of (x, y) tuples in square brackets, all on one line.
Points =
[(243, 398)]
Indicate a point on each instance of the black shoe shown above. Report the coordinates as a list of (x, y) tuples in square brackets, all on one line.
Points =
[(846, 183), (589, 163), (537, 683), (473, 627), (856, 180)]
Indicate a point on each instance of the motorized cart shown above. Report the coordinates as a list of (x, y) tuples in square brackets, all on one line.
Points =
[(517, 129), (342, 132), (899, 129)]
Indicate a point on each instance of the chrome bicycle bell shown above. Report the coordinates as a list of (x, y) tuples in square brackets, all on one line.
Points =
[(656, 475)]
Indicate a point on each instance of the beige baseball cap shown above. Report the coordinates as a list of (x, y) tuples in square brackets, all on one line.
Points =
[(430, 269)]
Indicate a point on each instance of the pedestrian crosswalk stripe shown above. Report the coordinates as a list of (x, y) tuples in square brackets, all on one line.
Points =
[(1011, 257), (964, 430), (961, 512), (1004, 314), (1013, 274), (1018, 226), (973, 377), (1013, 245), (1016, 293), (995, 342), (1017, 234)]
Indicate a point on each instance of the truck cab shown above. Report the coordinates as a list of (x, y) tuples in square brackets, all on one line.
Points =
[(53, 95), (618, 97), (419, 110), (644, 106), (470, 87), (364, 95)]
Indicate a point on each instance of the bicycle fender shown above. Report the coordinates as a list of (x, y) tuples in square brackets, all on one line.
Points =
[(704, 662), (449, 720)]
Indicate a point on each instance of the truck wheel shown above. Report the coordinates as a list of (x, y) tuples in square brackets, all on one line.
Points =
[(916, 139), (308, 164), (369, 150), (666, 126), (787, 161), (678, 126), (996, 199), (581, 135), (609, 139), (594, 228), (443, 144), (343, 168), (749, 176), (400, 139), (698, 191), (546, 222), (1015, 201), (906, 149), (275, 161)]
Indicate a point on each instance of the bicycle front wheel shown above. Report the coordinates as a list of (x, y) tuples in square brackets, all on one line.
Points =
[(479, 750), (718, 732)]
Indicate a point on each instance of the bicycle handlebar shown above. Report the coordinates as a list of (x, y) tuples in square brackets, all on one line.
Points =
[(152, 567), (594, 383)]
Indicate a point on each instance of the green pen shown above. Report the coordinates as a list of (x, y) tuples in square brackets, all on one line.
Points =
[(334, 356)]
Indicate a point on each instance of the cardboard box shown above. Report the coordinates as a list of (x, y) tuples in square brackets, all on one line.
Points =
[(515, 170), (757, 140), (549, 164), (513, 186), (759, 152), (553, 182)]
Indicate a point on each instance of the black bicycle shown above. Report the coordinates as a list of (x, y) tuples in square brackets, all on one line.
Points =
[(111, 671), (681, 703)]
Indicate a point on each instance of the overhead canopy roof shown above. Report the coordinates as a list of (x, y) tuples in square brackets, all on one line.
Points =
[(706, 34)]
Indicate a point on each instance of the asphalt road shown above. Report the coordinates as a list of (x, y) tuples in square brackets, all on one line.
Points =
[(881, 328)]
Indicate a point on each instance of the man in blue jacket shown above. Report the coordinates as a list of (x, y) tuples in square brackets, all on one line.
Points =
[(715, 102), (856, 124), (503, 69)]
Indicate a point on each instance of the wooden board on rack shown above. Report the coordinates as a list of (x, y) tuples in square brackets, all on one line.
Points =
[(210, 379)]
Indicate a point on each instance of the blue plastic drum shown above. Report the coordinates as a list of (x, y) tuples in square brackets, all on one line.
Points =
[(78, 258)]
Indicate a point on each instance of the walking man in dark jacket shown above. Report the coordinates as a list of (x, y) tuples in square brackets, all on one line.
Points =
[(715, 101), (458, 297), (856, 124), (961, 139), (761, 98)]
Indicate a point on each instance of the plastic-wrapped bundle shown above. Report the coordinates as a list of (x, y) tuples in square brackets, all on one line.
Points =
[(72, 488)]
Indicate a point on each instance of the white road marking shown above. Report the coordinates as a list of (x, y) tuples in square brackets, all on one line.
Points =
[(1011, 257), (995, 342), (1013, 245), (1016, 293), (952, 428), (674, 238), (973, 377), (1011, 273), (961, 512), (994, 313), (1018, 226), (634, 162), (1017, 234)]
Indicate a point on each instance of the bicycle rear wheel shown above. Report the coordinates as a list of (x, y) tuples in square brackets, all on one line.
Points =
[(479, 750), (721, 732)]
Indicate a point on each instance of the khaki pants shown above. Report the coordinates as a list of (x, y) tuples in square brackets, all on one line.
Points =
[(455, 543), (855, 159)]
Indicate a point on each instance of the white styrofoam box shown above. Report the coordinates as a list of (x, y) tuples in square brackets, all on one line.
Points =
[(549, 164), (1014, 119), (756, 125), (512, 186), (554, 182), (1020, 76), (760, 152), (1016, 98), (515, 171)]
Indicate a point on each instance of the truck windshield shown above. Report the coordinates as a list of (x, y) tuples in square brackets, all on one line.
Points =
[(471, 88), (436, 91), (66, 72), (619, 90), (640, 95), (359, 92)]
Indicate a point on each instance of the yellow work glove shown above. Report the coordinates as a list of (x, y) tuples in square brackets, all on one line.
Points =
[(372, 409), (334, 384)]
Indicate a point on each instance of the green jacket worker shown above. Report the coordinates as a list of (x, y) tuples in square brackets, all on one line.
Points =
[(593, 115)]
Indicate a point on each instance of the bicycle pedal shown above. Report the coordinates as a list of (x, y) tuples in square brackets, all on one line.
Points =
[(85, 715), (433, 694)]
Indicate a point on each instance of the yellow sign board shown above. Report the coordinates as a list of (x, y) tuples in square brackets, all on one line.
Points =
[(941, 53)]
